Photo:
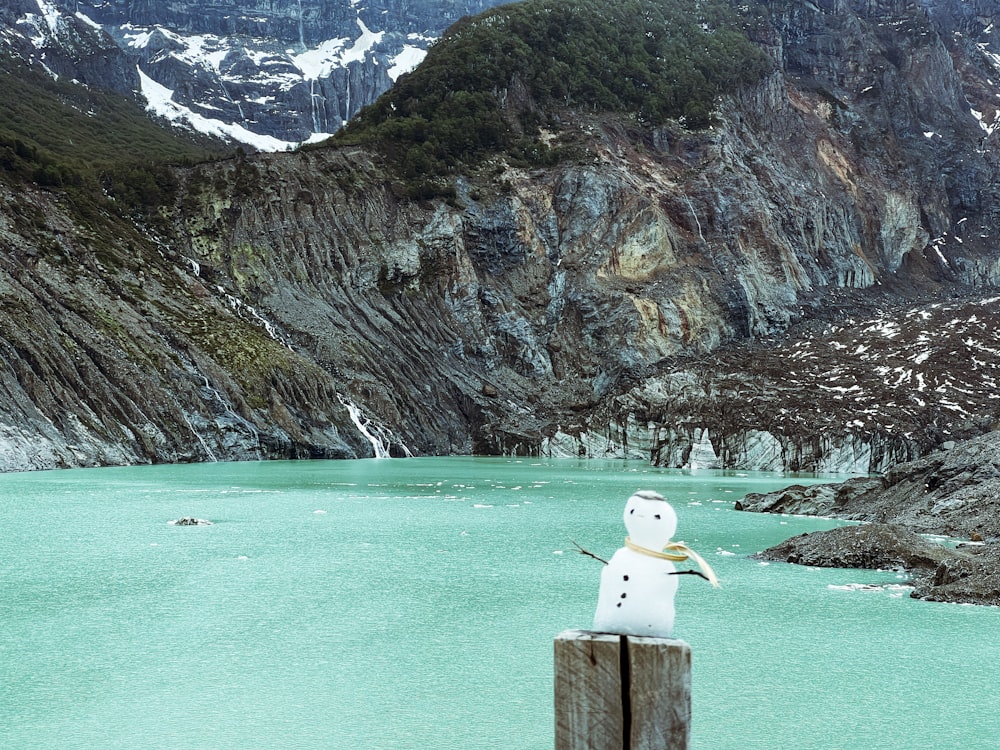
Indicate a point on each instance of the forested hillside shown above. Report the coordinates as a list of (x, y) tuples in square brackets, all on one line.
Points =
[(489, 84), (59, 134)]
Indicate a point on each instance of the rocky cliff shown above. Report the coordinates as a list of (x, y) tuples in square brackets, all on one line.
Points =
[(789, 289), (948, 493), (952, 491), (113, 354), (66, 45)]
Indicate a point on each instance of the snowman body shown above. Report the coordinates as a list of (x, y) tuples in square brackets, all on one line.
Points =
[(637, 588)]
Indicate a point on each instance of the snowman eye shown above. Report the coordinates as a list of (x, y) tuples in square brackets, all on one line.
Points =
[(631, 511), (657, 516)]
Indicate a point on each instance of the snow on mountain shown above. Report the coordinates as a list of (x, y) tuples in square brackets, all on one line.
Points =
[(270, 76), (41, 27), (889, 371), (407, 60), (237, 87), (65, 42), (161, 103), (320, 62)]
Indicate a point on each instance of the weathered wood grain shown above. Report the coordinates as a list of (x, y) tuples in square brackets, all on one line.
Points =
[(621, 692)]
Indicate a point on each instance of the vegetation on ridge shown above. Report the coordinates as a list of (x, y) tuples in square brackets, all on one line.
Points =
[(65, 135), (492, 79)]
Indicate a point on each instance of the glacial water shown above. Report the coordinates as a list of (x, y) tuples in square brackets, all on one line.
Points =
[(411, 605)]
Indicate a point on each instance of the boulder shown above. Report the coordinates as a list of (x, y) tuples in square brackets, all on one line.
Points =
[(874, 546), (972, 579), (969, 574)]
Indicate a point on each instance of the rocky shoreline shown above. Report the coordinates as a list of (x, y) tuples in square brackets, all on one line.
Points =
[(954, 492)]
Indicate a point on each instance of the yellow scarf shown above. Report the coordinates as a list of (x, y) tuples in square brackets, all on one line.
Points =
[(680, 552)]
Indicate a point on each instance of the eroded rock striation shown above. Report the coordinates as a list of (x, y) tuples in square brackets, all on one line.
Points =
[(112, 353), (953, 492), (788, 289)]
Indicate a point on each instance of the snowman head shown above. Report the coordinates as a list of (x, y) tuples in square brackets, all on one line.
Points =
[(650, 520)]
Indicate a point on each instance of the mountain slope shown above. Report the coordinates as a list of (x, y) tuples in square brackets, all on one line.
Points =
[(630, 297), (495, 78), (268, 75), (111, 354), (59, 133)]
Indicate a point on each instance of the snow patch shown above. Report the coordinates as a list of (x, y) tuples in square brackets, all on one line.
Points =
[(319, 62), (406, 61), (160, 102), (51, 15), (988, 127), (88, 20)]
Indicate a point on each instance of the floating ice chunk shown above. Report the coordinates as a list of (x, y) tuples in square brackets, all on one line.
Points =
[(894, 589), (856, 587)]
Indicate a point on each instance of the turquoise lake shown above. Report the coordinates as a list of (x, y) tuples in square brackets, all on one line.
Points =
[(411, 605)]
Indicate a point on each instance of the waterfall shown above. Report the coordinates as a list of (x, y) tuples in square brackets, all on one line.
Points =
[(228, 410), (313, 97), (380, 437), (347, 94), (204, 445), (695, 215), (380, 446), (239, 104), (302, 34)]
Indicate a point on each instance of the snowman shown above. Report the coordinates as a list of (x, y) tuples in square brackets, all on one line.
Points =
[(639, 582)]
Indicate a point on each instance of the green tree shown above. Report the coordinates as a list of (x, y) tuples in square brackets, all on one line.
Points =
[(489, 80)]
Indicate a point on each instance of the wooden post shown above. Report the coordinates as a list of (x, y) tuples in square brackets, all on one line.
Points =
[(617, 692)]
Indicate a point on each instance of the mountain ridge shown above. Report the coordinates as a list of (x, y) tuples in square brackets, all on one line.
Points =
[(266, 75)]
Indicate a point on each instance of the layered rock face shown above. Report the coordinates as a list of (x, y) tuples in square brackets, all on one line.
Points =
[(309, 22), (111, 354), (776, 292), (67, 45), (951, 492)]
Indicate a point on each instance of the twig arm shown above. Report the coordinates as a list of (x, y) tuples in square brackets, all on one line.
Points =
[(588, 554), (690, 573)]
